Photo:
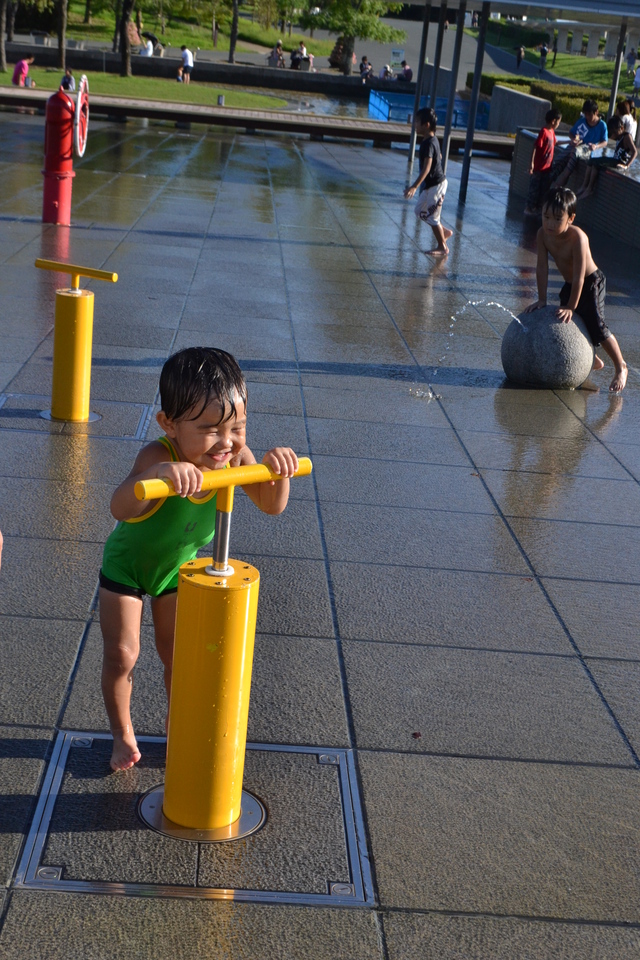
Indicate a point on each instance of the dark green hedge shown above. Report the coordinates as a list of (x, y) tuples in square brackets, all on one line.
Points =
[(563, 96), (540, 88)]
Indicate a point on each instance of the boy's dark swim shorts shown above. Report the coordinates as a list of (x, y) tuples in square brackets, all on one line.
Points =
[(125, 589), (591, 305)]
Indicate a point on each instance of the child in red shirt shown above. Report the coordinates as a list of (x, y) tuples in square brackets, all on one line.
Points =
[(541, 160)]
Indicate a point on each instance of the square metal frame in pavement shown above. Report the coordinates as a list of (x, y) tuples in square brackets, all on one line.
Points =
[(84, 426), (33, 875)]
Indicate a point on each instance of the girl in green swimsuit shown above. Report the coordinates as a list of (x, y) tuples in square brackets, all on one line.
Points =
[(203, 396)]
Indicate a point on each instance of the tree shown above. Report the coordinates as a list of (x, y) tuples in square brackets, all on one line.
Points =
[(12, 9), (3, 26), (219, 14), (266, 12), (63, 9), (233, 36), (358, 19), (125, 40)]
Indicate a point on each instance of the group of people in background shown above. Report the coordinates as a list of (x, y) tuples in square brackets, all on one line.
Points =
[(367, 72), (588, 137)]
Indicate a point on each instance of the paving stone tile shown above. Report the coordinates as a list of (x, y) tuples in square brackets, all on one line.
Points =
[(554, 497), (478, 703), (105, 928), (431, 937), (516, 419), (66, 511), (618, 681), (36, 658), (403, 442), (448, 607), (602, 620), (399, 404), (347, 480), (582, 551), (420, 538), (545, 455), (48, 578), (22, 753), (518, 839)]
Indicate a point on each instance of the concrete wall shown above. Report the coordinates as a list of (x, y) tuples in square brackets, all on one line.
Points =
[(444, 80), (614, 191), (511, 109)]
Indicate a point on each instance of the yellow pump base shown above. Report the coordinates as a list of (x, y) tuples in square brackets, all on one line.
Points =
[(211, 684), (72, 343)]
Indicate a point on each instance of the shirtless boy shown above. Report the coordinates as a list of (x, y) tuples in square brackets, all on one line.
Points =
[(585, 286)]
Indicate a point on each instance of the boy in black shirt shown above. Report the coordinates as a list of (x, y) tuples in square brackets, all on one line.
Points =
[(431, 180)]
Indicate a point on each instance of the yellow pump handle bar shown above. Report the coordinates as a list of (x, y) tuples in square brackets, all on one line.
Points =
[(220, 479)]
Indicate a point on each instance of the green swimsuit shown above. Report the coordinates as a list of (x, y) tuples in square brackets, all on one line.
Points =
[(146, 553)]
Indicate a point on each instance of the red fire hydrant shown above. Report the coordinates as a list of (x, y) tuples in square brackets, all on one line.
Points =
[(65, 125)]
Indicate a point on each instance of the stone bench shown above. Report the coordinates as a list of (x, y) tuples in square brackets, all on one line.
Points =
[(613, 207)]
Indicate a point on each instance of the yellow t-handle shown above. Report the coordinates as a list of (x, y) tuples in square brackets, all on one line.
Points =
[(219, 479), (76, 272)]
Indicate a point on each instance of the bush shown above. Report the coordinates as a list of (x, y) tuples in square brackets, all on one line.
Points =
[(489, 80), (565, 97), (569, 107)]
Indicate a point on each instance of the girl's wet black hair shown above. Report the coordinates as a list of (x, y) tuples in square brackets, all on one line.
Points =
[(193, 378), (560, 200)]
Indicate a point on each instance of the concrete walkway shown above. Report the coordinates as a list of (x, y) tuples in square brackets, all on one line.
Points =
[(450, 604)]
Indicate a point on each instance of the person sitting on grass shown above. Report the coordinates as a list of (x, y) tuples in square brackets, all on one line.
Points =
[(588, 133), (68, 82), (585, 286), (431, 180), (623, 156), (20, 76), (541, 161), (203, 395)]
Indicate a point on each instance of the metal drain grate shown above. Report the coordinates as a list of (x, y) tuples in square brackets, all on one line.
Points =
[(87, 836)]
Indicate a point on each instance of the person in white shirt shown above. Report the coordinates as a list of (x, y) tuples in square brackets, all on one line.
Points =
[(146, 50), (187, 63)]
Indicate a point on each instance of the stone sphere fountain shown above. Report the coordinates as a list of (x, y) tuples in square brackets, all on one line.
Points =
[(540, 351)]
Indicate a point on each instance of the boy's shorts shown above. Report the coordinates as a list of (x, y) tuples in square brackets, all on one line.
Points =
[(591, 305), (429, 205), (127, 591)]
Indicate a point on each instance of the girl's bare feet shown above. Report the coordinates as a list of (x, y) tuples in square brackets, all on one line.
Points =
[(598, 364), (438, 252), (619, 381), (125, 751)]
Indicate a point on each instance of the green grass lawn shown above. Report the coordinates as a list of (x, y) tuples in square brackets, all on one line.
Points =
[(595, 72), (155, 88), (178, 32)]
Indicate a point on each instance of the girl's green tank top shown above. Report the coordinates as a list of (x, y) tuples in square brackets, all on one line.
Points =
[(148, 551)]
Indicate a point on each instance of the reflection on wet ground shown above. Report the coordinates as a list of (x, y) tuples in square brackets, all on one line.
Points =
[(459, 581)]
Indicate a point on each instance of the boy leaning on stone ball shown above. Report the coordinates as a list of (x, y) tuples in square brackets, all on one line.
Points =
[(585, 285)]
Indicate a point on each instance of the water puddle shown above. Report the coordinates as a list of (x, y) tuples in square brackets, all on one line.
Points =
[(427, 394)]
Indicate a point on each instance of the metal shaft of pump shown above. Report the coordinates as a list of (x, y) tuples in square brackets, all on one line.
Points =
[(212, 665)]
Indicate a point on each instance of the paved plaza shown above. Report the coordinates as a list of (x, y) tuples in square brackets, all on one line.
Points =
[(449, 603)]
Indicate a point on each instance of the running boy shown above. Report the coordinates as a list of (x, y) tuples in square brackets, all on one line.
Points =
[(541, 160), (431, 180), (204, 397), (585, 285)]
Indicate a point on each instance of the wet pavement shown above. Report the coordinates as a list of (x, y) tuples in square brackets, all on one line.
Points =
[(450, 602)]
